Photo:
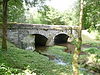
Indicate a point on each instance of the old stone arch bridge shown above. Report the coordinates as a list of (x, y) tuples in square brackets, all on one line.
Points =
[(26, 35)]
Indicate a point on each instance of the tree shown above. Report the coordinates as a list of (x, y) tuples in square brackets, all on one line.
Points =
[(4, 25), (16, 11), (51, 16), (91, 13), (78, 42)]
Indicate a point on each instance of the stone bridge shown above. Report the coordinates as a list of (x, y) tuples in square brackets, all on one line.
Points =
[(34, 35)]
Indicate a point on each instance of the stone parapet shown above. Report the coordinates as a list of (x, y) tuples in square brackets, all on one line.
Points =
[(40, 26)]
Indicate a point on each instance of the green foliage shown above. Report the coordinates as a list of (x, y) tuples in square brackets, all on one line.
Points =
[(21, 59), (16, 9), (91, 60), (92, 50), (98, 27), (58, 51), (91, 28), (98, 37), (51, 16), (34, 18), (91, 13), (17, 61), (93, 44), (4, 70)]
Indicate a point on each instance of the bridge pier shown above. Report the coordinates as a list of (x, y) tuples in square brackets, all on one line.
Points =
[(50, 41), (29, 41)]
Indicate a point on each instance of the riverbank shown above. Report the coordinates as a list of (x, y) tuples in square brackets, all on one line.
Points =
[(18, 61)]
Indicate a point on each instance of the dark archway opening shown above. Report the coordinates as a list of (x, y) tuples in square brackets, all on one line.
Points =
[(40, 40), (60, 39)]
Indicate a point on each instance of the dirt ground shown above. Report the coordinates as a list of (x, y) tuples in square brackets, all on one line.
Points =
[(70, 47)]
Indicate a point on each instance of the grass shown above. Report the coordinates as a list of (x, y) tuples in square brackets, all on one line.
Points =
[(16, 61), (22, 59), (58, 51), (92, 43)]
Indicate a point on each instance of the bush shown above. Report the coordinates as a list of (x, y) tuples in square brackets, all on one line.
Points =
[(98, 37), (92, 50), (93, 59), (4, 70)]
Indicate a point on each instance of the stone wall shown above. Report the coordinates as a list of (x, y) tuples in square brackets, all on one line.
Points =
[(17, 33)]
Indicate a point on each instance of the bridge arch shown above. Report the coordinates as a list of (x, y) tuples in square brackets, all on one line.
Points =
[(61, 38), (40, 40)]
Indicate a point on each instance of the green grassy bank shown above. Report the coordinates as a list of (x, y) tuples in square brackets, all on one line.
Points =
[(26, 62)]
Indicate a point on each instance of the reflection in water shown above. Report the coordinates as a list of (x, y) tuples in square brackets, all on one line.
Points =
[(41, 48)]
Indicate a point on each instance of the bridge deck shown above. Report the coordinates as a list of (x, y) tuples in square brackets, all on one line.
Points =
[(41, 26)]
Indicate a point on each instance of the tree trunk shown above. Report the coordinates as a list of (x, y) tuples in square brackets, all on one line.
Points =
[(4, 26), (78, 43)]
